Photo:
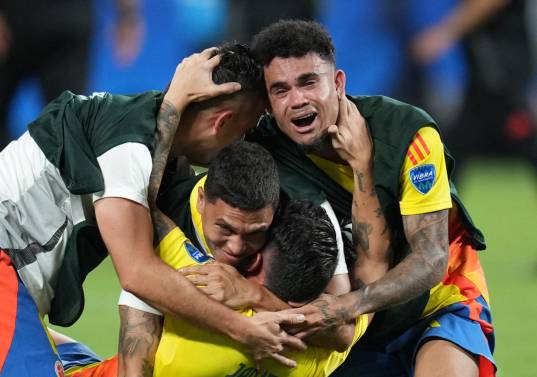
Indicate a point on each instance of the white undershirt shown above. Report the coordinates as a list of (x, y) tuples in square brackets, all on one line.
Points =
[(126, 169)]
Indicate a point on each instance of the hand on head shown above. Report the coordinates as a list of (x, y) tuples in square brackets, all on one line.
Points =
[(193, 82)]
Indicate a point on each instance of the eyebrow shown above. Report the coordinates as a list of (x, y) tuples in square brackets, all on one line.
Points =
[(223, 223), (301, 79), (307, 76)]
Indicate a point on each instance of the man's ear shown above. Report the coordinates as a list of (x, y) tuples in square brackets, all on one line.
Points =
[(254, 265), (200, 203), (340, 81), (221, 120)]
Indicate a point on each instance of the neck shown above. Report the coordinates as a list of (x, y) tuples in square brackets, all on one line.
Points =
[(330, 154)]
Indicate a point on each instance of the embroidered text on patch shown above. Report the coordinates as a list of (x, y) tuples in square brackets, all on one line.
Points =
[(422, 177), (196, 254)]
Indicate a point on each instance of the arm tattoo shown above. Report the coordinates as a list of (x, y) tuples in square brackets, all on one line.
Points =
[(167, 122), (139, 336), (360, 177), (423, 268), (378, 212), (360, 233)]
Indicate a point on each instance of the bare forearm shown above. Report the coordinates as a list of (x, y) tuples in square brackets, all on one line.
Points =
[(419, 271), (338, 339), (371, 234), (139, 336), (170, 292), (167, 122)]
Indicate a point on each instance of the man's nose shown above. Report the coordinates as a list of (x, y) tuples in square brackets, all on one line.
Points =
[(236, 245), (298, 99)]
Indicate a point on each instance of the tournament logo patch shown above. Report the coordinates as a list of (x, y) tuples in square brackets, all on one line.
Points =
[(422, 177), (196, 254)]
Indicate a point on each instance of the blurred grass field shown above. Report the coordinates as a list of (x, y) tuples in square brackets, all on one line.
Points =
[(502, 199)]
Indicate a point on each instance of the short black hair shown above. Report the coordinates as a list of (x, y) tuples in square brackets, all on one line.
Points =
[(303, 251), (237, 64), (292, 38), (244, 175)]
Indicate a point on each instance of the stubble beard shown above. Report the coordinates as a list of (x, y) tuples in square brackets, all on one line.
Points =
[(318, 145)]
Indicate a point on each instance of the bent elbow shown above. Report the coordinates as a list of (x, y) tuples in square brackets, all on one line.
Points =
[(130, 280)]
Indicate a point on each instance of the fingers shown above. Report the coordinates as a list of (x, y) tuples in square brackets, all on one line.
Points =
[(226, 88), (199, 279), (194, 270), (305, 333), (290, 319), (293, 342), (208, 52), (284, 360), (343, 114), (214, 61), (332, 130)]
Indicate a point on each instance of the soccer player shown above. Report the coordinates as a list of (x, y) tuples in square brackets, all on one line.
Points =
[(75, 186), (437, 320), (296, 265)]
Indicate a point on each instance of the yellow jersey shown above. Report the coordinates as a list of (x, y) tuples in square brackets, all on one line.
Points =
[(424, 182), (424, 187), (187, 350)]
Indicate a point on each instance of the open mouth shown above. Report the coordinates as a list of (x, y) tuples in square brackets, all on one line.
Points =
[(305, 120)]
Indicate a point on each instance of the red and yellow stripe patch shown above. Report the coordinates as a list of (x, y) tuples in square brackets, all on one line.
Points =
[(418, 149)]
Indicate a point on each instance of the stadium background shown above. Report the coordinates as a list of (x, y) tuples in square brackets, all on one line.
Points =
[(500, 192)]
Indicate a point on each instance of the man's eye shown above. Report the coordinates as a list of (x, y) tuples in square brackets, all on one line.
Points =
[(224, 230)]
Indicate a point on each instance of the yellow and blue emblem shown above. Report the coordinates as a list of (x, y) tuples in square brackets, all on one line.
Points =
[(422, 177), (196, 254)]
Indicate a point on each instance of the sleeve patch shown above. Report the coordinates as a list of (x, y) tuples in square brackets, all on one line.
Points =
[(196, 254), (418, 149), (422, 177)]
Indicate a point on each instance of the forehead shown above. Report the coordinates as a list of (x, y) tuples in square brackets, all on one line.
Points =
[(290, 69), (237, 217)]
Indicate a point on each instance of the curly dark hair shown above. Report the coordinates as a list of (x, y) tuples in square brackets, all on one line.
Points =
[(244, 175), (292, 38), (303, 252)]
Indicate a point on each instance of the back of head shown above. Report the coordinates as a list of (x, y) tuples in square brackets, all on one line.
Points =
[(237, 64), (303, 252), (244, 176), (292, 38)]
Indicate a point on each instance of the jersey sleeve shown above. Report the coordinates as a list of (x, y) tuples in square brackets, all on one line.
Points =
[(424, 180), (126, 169), (128, 299)]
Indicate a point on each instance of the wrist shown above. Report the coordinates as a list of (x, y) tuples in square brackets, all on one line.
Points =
[(236, 327), (177, 100), (349, 306), (364, 165)]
